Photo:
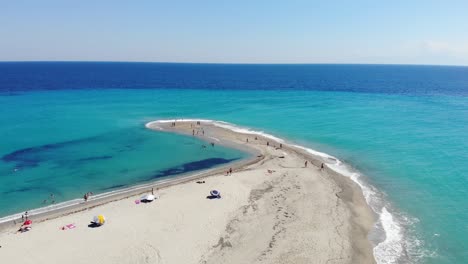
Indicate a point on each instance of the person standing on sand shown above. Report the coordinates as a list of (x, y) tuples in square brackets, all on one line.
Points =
[(281, 145), (268, 143), (247, 140), (305, 164), (230, 171), (322, 166), (152, 191)]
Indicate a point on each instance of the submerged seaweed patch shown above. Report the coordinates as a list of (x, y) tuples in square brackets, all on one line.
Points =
[(21, 190), (96, 158), (192, 166), (32, 156)]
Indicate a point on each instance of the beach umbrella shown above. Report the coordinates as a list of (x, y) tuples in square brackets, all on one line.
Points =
[(27, 222), (99, 220), (148, 197), (215, 193)]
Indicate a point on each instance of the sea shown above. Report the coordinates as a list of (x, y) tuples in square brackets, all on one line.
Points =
[(400, 131)]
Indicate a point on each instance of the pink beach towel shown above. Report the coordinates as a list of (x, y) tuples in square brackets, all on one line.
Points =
[(137, 201), (69, 226)]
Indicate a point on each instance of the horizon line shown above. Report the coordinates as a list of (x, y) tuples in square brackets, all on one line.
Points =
[(233, 63)]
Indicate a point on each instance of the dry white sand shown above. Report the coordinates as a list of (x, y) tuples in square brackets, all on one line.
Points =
[(292, 215)]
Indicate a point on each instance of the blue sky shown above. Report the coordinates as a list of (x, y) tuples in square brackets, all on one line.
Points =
[(255, 31)]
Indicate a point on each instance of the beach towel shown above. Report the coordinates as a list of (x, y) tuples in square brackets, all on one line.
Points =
[(69, 226), (137, 201)]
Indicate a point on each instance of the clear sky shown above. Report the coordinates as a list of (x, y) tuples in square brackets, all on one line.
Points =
[(253, 31)]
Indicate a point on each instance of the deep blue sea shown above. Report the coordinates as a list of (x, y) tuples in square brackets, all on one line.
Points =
[(71, 127)]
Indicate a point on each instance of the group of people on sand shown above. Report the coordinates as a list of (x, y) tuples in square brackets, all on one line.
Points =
[(23, 228), (193, 132), (229, 172), (27, 223), (26, 226), (173, 124), (322, 166), (267, 143), (247, 139)]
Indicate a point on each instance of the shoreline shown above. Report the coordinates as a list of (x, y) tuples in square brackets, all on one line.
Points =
[(77, 205), (346, 194)]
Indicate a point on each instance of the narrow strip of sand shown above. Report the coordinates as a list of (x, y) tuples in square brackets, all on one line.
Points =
[(273, 209)]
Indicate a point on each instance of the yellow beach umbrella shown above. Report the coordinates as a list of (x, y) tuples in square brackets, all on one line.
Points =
[(99, 219)]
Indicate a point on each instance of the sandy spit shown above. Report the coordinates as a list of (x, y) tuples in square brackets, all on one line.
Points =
[(273, 209)]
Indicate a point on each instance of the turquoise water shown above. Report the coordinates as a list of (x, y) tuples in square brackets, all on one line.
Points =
[(412, 149), (67, 144)]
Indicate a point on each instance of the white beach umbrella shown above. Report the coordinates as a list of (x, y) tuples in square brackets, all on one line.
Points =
[(148, 197)]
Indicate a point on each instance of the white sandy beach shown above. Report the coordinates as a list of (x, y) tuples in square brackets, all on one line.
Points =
[(292, 214)]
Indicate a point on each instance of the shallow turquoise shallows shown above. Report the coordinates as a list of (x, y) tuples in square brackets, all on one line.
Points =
[(412, 149)]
